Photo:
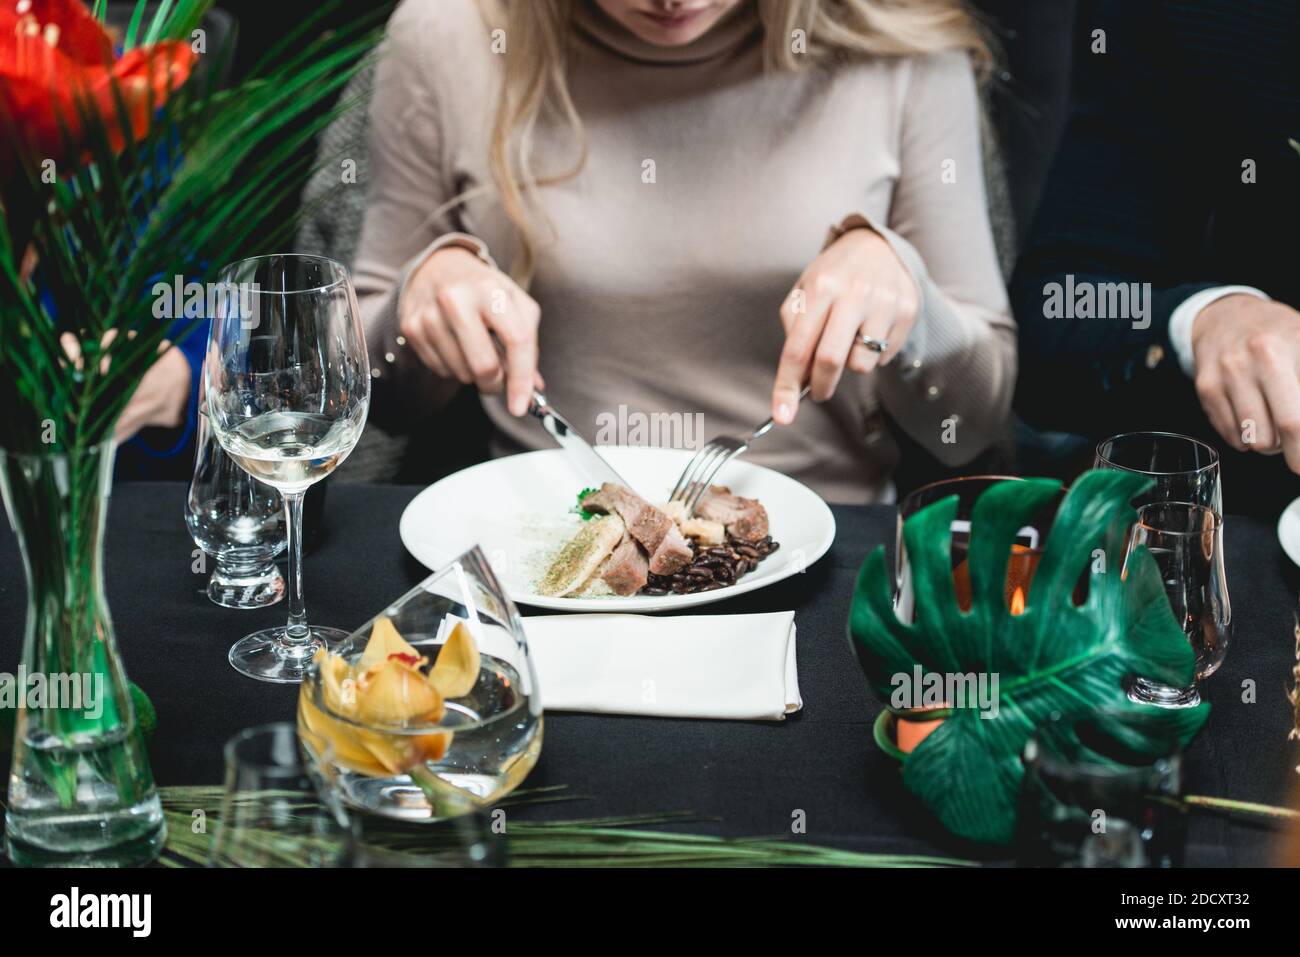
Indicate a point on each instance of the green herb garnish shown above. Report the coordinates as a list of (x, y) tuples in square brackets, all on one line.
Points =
[(586, 515)]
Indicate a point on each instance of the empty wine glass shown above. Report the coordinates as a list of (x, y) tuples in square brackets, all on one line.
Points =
[(1184, 469), (1186, 542), (239, 522), (288, 389)]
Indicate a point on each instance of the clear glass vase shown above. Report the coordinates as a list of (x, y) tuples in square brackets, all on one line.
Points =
[(80, 789)]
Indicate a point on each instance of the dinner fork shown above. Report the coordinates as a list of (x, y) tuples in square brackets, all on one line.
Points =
[(710, 459)]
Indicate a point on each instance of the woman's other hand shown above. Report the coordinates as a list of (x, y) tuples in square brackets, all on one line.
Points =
[(856, 287), (452, 306)]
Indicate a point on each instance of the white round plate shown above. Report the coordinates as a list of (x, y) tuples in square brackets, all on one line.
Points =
[(1288, 531), (519, 510)]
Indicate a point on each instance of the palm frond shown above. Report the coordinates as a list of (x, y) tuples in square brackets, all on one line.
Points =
[(161, 22), (624, 841), (133, 28)]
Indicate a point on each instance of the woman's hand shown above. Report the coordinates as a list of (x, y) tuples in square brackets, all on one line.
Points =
[(453, 305), (857, 286)]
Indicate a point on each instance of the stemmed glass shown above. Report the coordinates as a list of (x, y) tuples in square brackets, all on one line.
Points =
[(288, 389), (1181, 522)]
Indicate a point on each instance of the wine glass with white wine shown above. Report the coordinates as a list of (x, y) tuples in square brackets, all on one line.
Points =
[(287, 388)]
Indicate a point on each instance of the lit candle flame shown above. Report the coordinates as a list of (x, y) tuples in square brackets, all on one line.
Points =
[(1018, 601)]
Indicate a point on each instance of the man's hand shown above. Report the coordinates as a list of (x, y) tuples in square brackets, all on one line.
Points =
[(856, 286), (1247, 353)]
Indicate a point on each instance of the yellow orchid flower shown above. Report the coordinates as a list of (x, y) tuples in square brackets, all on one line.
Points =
[(455, 672), (386, 687)]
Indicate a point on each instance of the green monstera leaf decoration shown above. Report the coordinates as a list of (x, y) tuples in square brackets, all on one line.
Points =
[(1053, 657)]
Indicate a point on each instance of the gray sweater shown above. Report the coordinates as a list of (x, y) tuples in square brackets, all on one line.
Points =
[(662, 297)]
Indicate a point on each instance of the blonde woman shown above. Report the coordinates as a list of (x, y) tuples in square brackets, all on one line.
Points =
[(691, 206)]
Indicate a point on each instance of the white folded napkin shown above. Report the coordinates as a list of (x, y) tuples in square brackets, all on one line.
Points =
[(740, 667)]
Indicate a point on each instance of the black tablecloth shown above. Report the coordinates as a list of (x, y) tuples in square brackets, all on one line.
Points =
[(746, 778)]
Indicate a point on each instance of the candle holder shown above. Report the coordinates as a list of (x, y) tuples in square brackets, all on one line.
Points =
[(999, 672), (1026, 549)]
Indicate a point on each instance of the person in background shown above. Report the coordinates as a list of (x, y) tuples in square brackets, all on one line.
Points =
[(1172, 205), (690, 206), (157, 430)]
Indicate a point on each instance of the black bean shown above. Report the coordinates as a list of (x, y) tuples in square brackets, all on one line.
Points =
[(712, 567)]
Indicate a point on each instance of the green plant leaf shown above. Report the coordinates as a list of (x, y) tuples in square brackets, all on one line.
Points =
[(585, 515), (584, 842), (133, 28), (159, 23), (1055, 657)]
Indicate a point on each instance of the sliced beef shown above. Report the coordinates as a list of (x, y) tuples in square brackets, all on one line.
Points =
[(744, 518), (625, 571), (647, 524), (673, 554), (602, 502)]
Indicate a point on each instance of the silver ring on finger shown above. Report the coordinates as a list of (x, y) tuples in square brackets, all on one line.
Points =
[(872, 343)]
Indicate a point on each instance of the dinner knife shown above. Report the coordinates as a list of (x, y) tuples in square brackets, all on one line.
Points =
[(595, 468)]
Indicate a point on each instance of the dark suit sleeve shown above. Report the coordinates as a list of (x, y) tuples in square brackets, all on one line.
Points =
[(1117, 208)]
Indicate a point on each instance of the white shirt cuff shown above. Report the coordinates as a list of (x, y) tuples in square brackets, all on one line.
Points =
[(1180, 322)]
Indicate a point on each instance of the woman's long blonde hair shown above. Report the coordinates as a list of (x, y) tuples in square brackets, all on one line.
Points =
[(535, 81)]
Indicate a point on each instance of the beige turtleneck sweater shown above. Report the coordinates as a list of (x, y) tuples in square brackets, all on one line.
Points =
[(660, 293)]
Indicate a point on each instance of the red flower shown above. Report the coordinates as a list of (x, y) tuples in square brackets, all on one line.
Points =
[(57, 63)]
